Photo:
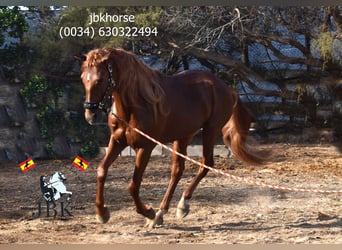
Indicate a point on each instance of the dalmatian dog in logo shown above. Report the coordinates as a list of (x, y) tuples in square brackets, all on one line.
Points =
[(54, 188)]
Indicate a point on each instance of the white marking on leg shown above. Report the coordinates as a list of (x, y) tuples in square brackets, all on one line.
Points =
[(157, 221), (182, 208), (181, 203)]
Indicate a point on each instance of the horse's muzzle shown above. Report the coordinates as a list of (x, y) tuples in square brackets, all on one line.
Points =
[(91, 116)]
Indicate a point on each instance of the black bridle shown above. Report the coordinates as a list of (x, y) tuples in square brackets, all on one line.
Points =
[(101, 105)]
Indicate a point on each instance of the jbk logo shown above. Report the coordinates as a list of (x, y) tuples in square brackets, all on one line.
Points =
[(52, 191)]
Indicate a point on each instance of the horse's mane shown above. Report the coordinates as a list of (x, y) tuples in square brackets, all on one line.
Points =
[(138, 84), (95, 57)]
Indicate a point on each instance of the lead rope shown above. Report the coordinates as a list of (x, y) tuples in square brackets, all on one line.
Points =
[(221, 172)]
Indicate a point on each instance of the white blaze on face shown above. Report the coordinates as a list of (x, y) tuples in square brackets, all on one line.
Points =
[(88, 77), (114, 108)]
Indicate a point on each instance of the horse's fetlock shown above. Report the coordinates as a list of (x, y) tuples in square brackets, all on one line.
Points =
[(151, 213)]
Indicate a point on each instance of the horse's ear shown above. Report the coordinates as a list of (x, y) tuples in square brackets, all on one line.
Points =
[(105, 57), (105, 54), (80, 58)]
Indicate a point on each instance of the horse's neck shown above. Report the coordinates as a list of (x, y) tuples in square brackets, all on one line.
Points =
[(119, 109), (54, 178)]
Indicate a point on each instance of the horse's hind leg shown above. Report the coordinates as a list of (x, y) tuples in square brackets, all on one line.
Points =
[(178, 164), (209, 138)]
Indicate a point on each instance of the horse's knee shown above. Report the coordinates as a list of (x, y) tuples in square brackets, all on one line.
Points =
[(101, 172)]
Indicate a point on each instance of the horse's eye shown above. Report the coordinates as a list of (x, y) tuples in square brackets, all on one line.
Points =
[(99, 82)]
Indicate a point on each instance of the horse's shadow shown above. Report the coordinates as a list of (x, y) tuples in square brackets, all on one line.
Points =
[(243, 226), (255, 226), (240, 226), (333, 224)]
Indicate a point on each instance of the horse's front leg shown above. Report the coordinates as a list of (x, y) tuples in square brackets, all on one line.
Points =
[(69, 195), (114, 149)]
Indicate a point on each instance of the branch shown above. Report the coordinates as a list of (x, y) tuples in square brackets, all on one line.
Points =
[(266, 40), (244, 72), (224, 60)]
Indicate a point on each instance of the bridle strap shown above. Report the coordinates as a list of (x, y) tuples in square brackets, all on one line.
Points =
[(101, 105), (110, 79), (90, 105)]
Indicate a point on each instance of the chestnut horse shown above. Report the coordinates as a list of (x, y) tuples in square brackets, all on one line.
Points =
[(168, 108)]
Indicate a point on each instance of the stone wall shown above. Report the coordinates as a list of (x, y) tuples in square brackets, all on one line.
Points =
[(19, 130), (20, 135)]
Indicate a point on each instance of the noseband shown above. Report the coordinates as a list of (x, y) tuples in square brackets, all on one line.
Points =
[(101, 105)]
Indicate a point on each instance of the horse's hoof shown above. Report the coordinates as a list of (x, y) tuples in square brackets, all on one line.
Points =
[(149, 224), (159, 220), (182, 212), (156, 221), (106, 215)]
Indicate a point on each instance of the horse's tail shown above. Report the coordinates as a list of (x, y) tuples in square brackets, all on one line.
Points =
[(235, 135)]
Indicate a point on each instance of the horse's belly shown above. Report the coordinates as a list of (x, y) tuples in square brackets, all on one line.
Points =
[(182, 127)]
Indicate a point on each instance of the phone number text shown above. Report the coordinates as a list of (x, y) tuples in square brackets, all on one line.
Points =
[(91, 32)]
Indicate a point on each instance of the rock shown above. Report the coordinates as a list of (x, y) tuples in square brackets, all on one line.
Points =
[(4, 119), (61, 147)]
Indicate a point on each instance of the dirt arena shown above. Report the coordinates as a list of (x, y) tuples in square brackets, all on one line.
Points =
[(222, 210)]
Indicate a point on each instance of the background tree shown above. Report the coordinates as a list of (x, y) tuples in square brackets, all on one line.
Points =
[(287, 53), (12, 28)]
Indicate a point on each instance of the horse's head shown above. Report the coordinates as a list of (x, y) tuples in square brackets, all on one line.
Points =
[(61, 176), (106, 70), (98, 82)]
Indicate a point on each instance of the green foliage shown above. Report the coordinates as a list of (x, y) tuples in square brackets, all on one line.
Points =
[(90, 149), (50, 120), (33, 89), (48, 53), (55, 119), (12, 23), (12, 26), (150, 17), (37, 93), (48, 148)]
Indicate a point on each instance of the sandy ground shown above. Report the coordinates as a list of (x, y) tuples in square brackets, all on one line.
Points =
[(222, 210)]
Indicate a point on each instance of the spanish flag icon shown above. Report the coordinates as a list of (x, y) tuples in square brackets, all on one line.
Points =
[(27, 165), (80, 163)]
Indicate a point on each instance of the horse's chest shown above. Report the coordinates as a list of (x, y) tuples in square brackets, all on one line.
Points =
[(134, 139)]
